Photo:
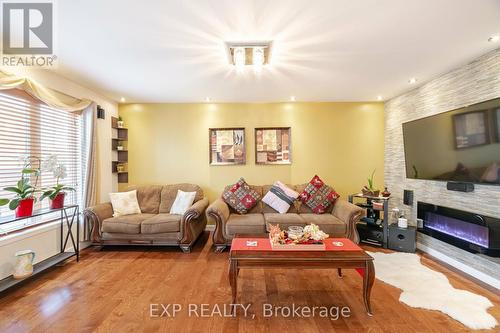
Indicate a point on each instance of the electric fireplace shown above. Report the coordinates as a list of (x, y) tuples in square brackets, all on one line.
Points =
[(469, 231)]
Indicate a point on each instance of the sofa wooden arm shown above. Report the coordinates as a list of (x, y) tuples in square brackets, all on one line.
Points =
[(219, 211), (196, 210), (193, 223), (95, 215), (350, 214)]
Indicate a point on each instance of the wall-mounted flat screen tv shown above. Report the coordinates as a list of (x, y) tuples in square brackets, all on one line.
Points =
[(459, 145)]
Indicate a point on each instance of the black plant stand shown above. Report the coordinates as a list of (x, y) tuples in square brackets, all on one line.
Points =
[(376, 235), (69, 215)]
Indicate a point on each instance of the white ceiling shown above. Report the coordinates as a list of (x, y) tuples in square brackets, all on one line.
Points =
[(324, 50)]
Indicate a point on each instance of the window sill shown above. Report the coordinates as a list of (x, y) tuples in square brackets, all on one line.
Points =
[(15, 236)]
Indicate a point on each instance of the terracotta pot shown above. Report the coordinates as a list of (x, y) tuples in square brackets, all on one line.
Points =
[(58, 201), (25, 208)]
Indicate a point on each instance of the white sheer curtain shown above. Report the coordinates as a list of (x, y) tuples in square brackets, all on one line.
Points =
[(89, 158)]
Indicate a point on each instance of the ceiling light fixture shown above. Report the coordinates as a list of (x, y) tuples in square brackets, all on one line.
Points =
[(207, 99), (248, 53), (412, 80), (239, 57), (122, 99), (292, 98), (494, 38), (379, 98), (257, 58)]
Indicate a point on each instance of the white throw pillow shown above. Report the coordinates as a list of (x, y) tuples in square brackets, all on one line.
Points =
[(125, 203), (280, 197), (182, 202)]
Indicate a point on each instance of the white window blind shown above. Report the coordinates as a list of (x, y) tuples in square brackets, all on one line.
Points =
[(31, 128)]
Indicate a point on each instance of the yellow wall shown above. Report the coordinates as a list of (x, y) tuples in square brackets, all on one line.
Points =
[(341, 142)]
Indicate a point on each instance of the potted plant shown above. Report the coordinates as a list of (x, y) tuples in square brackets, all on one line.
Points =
[(119, 146), (370, 190), (56, 194), (23, 201), (119, 122)]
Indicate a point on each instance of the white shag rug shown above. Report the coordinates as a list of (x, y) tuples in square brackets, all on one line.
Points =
[(424, 288)]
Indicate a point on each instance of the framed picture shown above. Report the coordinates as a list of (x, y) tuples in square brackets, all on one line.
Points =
[(471, 129), (227, 146), (273, 145)]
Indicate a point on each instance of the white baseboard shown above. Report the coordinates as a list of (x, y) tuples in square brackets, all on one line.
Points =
[(460, 266)]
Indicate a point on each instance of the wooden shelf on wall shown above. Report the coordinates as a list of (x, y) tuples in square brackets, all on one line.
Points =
[(122, 155)]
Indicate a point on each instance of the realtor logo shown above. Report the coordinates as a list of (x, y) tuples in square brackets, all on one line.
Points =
[(27, 28), (28, 33)]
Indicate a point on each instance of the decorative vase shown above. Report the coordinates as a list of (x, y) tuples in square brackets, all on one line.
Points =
[(58, 201), (25, 208), (119, 148), (24, 264), (386, 193), (119, 124)]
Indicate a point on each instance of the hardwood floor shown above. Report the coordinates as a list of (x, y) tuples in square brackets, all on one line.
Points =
[(112, 291)]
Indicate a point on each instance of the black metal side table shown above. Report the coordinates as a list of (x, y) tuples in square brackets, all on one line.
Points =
[(69, 215)]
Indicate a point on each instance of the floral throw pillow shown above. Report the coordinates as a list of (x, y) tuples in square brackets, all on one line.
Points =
[(240, 197), (318, 196)]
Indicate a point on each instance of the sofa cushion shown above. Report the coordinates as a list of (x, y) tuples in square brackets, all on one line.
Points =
[(126, 224), (284, 220), (161, 223), (241, 197), (182, 202), (244, 224), (169, 193), (149, 197), (124, 203), (318, 196), (327, 223), (280, 197)]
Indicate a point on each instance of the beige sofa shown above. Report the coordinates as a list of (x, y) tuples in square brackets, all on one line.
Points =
[(339, 221), (154, 226)]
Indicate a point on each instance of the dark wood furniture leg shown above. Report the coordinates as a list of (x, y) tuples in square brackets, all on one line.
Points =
[(233, 278), (339, 271), (368, 279)]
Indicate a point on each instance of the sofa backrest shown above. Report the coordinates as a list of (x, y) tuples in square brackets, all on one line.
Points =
[(169, 192), (297, 207), (148, 197), (154, 199)]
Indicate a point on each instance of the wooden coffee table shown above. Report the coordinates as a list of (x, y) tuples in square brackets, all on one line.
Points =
[(350, 256)]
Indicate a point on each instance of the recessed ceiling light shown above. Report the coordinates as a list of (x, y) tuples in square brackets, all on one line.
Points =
[(207, 99), (412, 80), (494, 38), (292, 98), (122, 99), (379, 98)]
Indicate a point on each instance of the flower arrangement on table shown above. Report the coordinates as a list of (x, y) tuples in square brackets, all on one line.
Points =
[(27, 186), (295, 235)]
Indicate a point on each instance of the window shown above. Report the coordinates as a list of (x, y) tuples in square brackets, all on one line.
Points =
[(31, 128)]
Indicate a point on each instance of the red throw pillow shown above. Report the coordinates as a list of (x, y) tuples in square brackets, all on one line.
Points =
[(240, 197), (318, 196)]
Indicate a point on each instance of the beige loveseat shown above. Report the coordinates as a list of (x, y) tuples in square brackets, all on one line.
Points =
[(339, 221), (154, 226)]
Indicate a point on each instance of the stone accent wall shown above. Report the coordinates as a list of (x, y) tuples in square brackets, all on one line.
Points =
[(472, 83)]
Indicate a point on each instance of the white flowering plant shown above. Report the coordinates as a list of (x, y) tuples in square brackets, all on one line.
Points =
[(51, 164), (24, 189)]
